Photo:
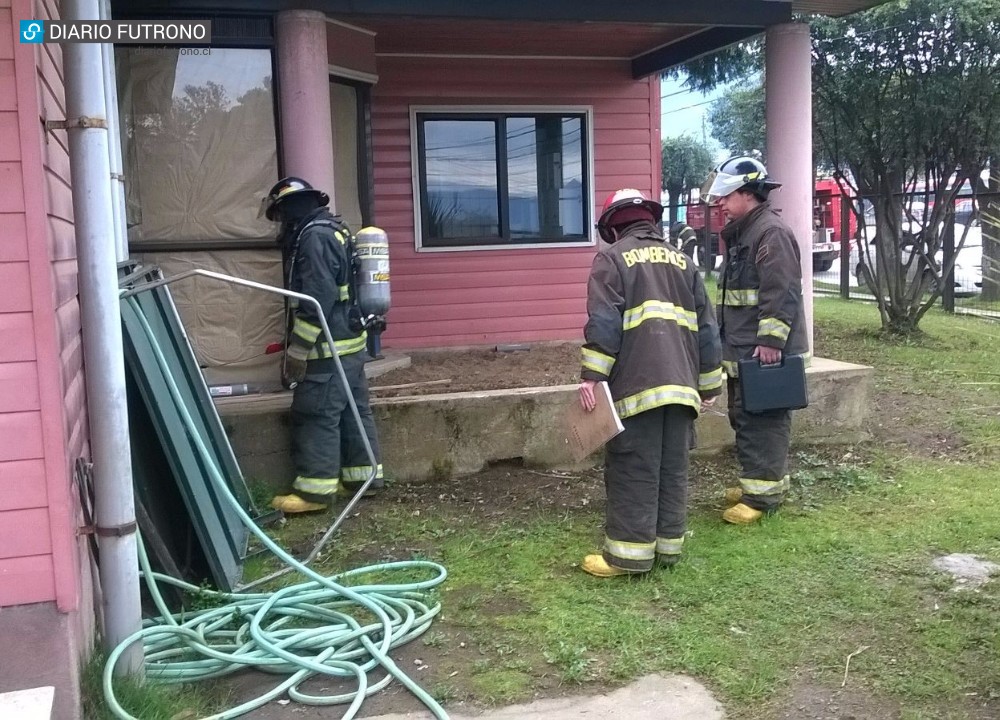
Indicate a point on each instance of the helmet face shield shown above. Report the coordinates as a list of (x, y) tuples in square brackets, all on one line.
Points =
[(265, 203), (737, 173), (720, 184)]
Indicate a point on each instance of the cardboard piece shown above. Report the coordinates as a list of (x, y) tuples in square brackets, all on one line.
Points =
[(586, 432)]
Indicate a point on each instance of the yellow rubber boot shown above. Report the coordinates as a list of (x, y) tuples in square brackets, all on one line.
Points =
[(733, 495), (292, 504), (740, 514), (597, 566)]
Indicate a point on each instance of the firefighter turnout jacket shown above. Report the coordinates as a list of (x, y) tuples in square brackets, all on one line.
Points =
[(318, 263), (686, 236), (760, 291), (651, 332), (327, 444)]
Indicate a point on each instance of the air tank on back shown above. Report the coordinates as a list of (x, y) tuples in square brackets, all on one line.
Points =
[(372, 246)]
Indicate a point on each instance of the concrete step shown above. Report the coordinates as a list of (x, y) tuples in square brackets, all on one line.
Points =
[(453, 434)]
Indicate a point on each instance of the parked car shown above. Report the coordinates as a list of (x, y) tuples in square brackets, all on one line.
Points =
[(968, 264)]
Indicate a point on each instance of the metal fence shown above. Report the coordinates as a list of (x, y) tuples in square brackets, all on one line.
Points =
[(969, 234)]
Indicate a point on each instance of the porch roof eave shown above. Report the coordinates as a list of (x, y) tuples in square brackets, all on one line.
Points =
[(759, 13), (710, 25)]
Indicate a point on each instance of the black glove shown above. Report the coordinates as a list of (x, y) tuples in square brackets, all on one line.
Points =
[(293, 368)]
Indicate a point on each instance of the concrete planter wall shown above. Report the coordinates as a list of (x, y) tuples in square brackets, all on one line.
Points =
[(452, 434)]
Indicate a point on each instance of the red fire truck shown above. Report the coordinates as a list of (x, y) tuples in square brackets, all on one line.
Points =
[(827, 236)]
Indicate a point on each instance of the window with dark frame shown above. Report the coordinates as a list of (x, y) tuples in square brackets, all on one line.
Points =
[(494, 179)]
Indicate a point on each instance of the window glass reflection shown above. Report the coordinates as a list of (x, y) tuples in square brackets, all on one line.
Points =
[(545, 176), (461, 179)]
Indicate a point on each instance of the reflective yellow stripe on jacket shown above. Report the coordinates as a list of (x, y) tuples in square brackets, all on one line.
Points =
[(343, 347), (306, 330), (774, 328), (596, 361), (660, 310), (710, 380), (740, 298), (657, 397)]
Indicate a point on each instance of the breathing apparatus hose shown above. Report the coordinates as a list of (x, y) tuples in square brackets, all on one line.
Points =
[(301, 630)]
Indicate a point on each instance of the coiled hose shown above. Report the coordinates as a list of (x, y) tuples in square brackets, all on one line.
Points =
[(302, 630)]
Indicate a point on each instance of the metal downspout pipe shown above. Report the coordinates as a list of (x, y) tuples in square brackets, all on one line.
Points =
[(114, 141), (104, 366)]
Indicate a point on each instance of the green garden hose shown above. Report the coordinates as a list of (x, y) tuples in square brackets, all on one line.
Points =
[(302, 630)]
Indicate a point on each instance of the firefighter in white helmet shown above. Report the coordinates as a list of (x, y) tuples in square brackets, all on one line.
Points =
[(651, 334), (760, 315)]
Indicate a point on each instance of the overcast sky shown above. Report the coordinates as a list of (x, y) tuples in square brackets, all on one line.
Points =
[(684, 112)]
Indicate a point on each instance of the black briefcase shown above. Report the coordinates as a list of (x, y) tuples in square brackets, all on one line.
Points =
[(781, 386)]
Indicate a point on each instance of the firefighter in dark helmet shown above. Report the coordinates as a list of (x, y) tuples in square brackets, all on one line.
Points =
[(651, 334), (327, 447), (684, 238), (761, 316)]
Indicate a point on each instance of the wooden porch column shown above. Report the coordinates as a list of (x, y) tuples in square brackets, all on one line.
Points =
[(788, 115), (304, 93)]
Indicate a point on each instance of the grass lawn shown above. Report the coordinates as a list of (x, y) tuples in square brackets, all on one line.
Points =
[(766, 616)]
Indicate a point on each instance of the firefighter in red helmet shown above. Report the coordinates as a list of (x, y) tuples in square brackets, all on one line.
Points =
[(651, 334)]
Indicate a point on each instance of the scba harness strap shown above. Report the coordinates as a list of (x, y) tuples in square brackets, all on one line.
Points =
[(343, 232)]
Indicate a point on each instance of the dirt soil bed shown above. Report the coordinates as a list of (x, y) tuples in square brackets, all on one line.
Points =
[(539, 365)]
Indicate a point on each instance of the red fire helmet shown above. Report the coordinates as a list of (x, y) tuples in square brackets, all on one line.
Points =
[(626, 206)]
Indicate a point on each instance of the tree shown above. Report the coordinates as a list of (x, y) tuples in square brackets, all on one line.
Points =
[(686, 164), (737, 120), (907, 103), (738, 123), (730, 64)]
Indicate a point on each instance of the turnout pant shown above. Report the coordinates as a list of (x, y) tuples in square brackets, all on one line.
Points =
[(646, 478), (327, 445), (762, 441)]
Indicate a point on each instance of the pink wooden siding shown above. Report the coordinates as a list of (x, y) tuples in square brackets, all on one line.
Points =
[(475, 297), (42, 404)]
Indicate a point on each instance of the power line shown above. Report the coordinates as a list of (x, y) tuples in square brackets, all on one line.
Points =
[(674, 94), (862, 34), (688, 107)]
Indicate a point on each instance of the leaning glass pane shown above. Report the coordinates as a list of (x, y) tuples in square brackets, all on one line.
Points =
[(545, 176), (461, 179), (198, 142)]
